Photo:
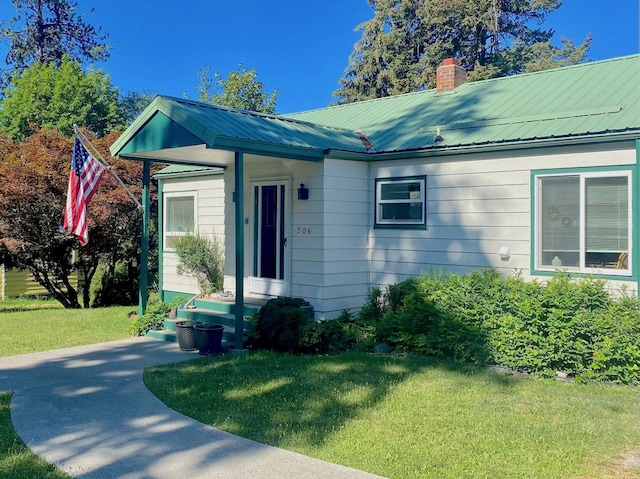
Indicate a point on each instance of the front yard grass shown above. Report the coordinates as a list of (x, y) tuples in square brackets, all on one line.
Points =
[(410, 418), (16, 460), (29, 325), (33, 325)]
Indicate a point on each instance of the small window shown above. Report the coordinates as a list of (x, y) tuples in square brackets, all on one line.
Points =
[(400, 202), (179, 216), (584, 222)]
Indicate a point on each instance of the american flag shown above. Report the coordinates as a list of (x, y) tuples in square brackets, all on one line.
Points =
[(84, 176)]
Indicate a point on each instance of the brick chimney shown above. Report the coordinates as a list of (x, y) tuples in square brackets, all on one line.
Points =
[(449, 75)]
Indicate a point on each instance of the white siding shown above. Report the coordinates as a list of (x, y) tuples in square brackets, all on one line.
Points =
[(476, 204), (210, 221), (474, 207)]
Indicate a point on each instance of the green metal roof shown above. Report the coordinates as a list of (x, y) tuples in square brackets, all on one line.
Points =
[(173, 122), (599, 98), (187, 170)]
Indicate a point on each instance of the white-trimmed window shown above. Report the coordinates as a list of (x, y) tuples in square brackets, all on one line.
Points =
[(179, 216), (584, 222), (401, 202)]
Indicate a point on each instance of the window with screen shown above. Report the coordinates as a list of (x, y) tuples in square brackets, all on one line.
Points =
[(401, 202), (179, 216)]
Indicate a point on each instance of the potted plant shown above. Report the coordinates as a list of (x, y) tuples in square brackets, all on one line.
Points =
[(208, 338), (186, 335)]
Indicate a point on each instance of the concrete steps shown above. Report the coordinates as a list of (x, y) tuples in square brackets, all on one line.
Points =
[(210, 311)]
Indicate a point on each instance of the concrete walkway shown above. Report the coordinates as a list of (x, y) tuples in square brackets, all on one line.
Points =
[(87, 410)]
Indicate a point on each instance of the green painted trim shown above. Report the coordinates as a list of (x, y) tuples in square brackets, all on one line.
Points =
[(635, 217), (575, 274), (143, 291), (160, 133), (137, 124), (268, 149), (533, 206), (239, 189), (583, 169), (190, 174), (171, 296), (497, 147), (636, 221), (160, 240)]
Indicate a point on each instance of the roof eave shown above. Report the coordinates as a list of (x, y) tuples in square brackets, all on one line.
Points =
[(630, 135)]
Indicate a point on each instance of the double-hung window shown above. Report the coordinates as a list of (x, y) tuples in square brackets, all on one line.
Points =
[(179, 216), (583, 222), (401, 202)]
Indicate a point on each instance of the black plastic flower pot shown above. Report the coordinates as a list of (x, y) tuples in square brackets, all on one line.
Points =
[(209, 338), (186, 335)]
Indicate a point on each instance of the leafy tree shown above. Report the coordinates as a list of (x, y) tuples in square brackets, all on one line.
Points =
[(406, 40), (131, 104), (44, 31), (50, 96), (33, 181), (241, 89)]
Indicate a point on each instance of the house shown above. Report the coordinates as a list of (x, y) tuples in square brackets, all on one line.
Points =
[(16, 282), (528, 174)]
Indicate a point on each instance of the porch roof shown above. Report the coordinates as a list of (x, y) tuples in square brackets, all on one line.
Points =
[(184, 131)]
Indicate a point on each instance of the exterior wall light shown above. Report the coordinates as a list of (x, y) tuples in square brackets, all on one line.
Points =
[(303, 192)]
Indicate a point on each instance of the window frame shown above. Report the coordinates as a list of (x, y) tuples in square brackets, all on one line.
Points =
[(166, 233), (536, 220), (379, 222)]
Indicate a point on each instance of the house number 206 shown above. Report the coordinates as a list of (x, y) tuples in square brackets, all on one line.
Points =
[(303, 230)]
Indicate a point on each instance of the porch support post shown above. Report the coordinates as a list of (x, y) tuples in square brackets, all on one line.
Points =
[(239, 306), (143, 290)]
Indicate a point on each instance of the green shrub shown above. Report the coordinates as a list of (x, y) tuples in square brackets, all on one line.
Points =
[(279, 325), (326, 337), (156, 312), (573, 326), (203, 258), (282, 324), (421, 324)]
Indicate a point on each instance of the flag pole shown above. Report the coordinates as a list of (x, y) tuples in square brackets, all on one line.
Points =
[(96, 154)]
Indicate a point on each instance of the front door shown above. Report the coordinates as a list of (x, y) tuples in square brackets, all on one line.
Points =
[(270, 258)]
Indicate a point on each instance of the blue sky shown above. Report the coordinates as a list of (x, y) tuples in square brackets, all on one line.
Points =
[(299, 47)]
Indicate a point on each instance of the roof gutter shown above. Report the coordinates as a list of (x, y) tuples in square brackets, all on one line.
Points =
[(506, 146)]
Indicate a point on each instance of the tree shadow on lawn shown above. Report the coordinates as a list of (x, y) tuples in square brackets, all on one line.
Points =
[(272, 398)]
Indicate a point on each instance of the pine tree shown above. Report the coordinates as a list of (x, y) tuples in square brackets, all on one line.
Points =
[(406, 40), (44, 31)]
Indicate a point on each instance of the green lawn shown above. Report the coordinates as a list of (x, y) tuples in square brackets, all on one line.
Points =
[(16, 460), (410, 418), (397, 417), (34, 325)]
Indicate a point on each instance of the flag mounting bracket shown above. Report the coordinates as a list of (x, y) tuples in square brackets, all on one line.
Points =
[(89, 146)]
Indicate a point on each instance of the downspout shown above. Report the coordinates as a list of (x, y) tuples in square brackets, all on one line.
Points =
[(239, 305), (144, 240)]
